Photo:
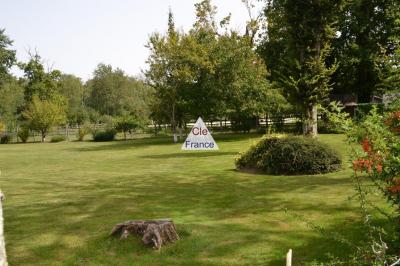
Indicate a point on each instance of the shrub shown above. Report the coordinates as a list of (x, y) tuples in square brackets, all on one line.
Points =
[(127, 124), (290, 156), (106, 135), (23, 134), (4, 139), (56, 139), (83, 131)]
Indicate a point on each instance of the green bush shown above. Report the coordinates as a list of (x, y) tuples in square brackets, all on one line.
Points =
[(4, 139), (56, 139), (106, 135), (83, 131), (23, 134), (290, 156)]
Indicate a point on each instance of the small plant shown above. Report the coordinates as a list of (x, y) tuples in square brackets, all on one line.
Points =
[(83, 131), (127, 124), (290, 156), (106, 135), (56, 139), (23, 134), (4, 139)]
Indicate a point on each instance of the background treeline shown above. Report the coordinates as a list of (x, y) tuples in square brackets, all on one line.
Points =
[(43, 99), (289, 60)]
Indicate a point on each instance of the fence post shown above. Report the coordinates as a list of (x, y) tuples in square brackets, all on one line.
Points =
[(3, 257), (289, 258)]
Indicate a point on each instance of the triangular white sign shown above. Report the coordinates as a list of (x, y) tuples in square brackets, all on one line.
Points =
[(199, 138)]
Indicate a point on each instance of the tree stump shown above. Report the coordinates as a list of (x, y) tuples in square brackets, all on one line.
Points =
[(153, 232)]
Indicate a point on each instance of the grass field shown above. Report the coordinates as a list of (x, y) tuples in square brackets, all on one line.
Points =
[(62, 200)]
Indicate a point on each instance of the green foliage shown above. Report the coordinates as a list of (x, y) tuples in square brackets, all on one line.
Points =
[(205, 72), (23, 133), (128, 123), (113, 93), (7, 56), (11, 102), (42, 115), (4, 139), (56, 139), (336, 119), (104, 135), (290, 156), (369, 35), (72, 89), (83, 131), (40, 83), (299, 36), (242, 122)]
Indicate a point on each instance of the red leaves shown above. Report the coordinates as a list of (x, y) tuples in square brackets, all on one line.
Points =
[(394, 121), (366, 145), (373, 161)]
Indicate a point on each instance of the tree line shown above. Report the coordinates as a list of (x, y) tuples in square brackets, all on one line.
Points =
[(44, 98), (290, 58)]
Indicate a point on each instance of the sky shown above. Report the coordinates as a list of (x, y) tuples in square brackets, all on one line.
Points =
[(74, 36)]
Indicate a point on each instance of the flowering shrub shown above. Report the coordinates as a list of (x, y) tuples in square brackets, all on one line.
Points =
[(378, 156), (379, 138)]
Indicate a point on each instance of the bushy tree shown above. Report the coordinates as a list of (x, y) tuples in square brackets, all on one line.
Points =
[(42, 115), (128, 124), (7, 56), (73, 90), (39, 82), (367, 31), (298, 40), (209, 71), (112, 92), (11, 102)]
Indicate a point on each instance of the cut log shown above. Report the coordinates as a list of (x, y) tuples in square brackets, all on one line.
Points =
[(153, 232)]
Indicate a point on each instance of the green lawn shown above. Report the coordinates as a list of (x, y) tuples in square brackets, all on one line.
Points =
[(62, 200)]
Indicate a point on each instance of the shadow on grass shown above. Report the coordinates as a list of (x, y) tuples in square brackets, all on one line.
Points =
[(185, 154), (212, 210), (164, 140), (126, 144)]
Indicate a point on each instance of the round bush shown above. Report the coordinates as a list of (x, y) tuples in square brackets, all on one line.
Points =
[(56, 139), (4, 139), (23, 134), (290, 156), (107, 135)]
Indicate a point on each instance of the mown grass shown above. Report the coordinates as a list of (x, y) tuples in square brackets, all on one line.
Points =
[(64, 198)]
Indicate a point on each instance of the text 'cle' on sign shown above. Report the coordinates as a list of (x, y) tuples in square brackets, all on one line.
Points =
[(199, 138)]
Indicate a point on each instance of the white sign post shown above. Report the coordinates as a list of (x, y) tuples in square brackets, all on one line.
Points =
[(199, 138)]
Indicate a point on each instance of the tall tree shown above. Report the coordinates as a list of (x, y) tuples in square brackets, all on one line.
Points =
[(365, 29), (72, 89), (11, 102), (210, 71), (113, 93), (42, 115), (40, 83), (165, 74), (7, 56), (299, 35)]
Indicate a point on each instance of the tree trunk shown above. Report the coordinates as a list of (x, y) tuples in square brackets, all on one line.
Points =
[(180, 132), (153, 232), (310, 127), (67, 131), (43, 136), (173, 124)]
